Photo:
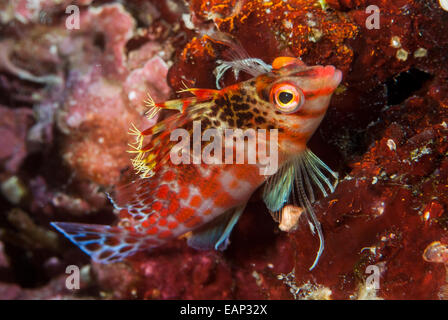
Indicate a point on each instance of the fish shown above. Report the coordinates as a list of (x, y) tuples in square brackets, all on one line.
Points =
[(202, 202)]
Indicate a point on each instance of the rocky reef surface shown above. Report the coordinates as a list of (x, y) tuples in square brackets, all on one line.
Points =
[(68, 96)]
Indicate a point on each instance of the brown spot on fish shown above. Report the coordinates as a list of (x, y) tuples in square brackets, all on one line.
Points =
[(259, 120)]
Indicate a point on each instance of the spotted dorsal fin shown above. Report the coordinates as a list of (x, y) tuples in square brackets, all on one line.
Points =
[(149, 156), (181, 105)]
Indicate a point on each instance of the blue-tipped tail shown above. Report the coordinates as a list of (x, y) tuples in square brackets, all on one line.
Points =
[(104, 244)]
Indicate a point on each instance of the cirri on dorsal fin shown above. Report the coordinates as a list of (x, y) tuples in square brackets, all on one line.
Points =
[(235, 58)]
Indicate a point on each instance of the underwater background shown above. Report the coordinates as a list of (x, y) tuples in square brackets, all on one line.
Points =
[(74, 74)]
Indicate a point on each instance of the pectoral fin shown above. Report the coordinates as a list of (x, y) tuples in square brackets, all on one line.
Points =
[(300, 177), (278, 188), (215, 235)]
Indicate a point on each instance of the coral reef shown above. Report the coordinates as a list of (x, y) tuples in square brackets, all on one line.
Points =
[(68, 97)]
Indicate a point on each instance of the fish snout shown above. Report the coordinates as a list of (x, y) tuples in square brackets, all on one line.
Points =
[(332, 76), (337, 78)]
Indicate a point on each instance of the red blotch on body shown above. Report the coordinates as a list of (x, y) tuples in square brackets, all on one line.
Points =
[(165, 234), (152, 231), (193, 222), (172, 225), (207, 187), (240, 172), (169, 176), (153, 219), (162, 193), (174, 205), (130, 229), (195, 201), (164, 212), (183, 193), (223, 199), (156, 206)]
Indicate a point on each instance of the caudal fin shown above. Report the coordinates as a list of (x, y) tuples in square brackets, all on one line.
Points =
[(104, 244)]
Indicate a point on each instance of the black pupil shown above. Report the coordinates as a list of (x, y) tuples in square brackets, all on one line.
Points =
[(285, 97)]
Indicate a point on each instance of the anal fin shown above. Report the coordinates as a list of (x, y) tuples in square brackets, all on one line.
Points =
[(215, 235)]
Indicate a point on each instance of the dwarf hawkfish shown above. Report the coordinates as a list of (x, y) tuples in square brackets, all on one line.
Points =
[(203, 202)]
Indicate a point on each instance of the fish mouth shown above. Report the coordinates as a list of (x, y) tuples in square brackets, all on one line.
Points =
[(337, 77), (334, 75)]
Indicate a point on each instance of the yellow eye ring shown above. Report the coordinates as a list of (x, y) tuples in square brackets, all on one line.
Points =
[(286, 97)]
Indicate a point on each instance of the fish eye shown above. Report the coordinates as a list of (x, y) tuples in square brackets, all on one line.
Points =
[(287, 98)]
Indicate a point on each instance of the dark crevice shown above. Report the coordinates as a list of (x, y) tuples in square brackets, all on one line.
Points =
[(403, 85), (99, 41)]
